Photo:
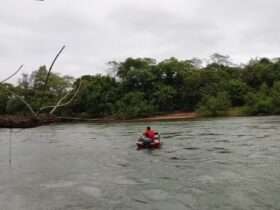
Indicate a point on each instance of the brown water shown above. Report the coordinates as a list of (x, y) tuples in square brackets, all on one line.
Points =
[(226, 163)]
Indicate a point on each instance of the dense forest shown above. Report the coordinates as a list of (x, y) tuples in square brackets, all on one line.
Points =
[(139, 87)]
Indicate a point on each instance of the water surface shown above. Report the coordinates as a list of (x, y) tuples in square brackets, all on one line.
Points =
[(226, 163)]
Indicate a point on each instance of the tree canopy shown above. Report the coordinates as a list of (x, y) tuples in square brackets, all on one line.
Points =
[(142, 87)]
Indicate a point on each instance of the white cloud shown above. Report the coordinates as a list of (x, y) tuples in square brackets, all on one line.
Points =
[(96, 32)]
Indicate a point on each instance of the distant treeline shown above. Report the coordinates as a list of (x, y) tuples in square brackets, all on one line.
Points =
[(139, 87)]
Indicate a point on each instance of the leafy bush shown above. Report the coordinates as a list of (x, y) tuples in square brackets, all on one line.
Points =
[(15, 106), (259, 103), (214, 105), (3, 101), (133, 105)]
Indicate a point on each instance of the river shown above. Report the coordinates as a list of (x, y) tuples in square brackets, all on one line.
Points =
[(223, 163)]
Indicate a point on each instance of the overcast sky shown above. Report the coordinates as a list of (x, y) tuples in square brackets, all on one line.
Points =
[(96, 31)]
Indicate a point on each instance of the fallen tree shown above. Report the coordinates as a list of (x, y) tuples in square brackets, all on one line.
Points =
[(37, 117)]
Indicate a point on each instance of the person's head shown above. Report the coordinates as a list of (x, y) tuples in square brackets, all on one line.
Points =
[(148, 128)]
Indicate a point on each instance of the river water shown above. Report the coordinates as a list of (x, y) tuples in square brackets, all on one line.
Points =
[(223, 163)]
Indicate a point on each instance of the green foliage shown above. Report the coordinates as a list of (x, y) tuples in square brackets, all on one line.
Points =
[(4, 97), (131, 64), (237, 91), (275, 93), (142, 86), (236, 111), (15, 106), (32, 89), (57, 85), (260, 102), (133, 105), (165, 98), (214, 105), (97, 96)]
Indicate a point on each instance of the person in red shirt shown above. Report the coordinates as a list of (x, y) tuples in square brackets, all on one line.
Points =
[(150, 134)]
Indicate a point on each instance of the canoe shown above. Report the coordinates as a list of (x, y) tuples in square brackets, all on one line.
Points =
[(154, 145)]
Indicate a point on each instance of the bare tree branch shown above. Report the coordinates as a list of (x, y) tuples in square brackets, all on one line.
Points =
[(49, 73), (12, 75), (68, 102), (51, 66), (58, 104)]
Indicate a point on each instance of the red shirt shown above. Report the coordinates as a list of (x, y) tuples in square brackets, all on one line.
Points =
[(150, 134)]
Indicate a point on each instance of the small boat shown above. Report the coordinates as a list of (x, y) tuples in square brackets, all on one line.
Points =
[(156, 144)]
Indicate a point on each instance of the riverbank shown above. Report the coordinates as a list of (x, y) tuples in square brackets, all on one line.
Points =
[(162, 117), (173, 116), (11, 121), (20, 121)]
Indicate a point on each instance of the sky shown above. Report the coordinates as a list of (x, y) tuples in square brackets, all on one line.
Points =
[(96, 32)]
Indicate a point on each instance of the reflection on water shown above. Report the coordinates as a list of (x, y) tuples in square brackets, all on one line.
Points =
[(226, 163)]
